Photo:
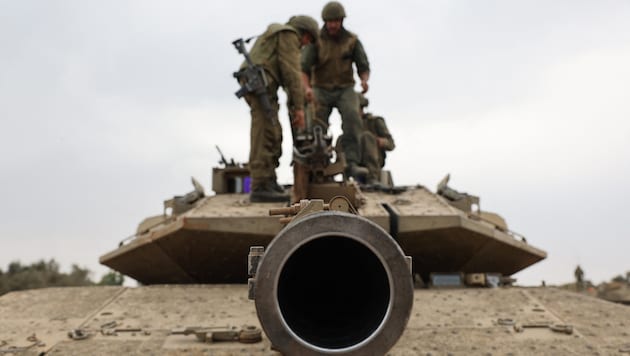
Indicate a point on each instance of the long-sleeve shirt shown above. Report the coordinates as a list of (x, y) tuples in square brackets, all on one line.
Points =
[(278, 52)]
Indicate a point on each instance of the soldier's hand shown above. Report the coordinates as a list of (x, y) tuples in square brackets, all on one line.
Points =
[(297, 120), (364, 86), (381, 142), (308, 94)]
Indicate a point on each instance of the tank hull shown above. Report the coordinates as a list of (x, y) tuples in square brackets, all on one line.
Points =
[(210, 242), (443, 321)]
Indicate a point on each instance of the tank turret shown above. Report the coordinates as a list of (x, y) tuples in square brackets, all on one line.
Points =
[(204, 239)]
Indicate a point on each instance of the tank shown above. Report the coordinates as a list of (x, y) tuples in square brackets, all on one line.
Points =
[(202, 239), (332, 272), (617, 291), (343, 269)]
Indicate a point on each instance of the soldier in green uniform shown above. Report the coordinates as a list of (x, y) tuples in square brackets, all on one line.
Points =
[(277, 50), (329, 80), (579, 278), (375, 142)]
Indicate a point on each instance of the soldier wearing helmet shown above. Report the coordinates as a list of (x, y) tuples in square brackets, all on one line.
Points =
[(305, 24), (277, 50), (328, 78)]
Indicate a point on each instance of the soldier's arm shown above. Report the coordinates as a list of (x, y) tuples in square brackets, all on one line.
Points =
[(289, 67), (308, 58), (364, 81), (386, 141), (363, 65), (308, 90), (307, 61)]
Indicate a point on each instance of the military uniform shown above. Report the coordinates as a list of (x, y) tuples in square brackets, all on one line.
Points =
[(373, 156), (329, 66), (579, 278), (278, 52)]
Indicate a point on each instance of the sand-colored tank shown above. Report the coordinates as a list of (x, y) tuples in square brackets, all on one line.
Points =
[(152, 320), (615, 291), (204, 239), (333, 272), (330, 274)]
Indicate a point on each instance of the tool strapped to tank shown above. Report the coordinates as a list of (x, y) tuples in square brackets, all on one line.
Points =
[(247, 334), (253, 80), (304, 207)]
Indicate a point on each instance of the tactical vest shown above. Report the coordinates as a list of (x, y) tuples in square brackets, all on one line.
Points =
[(334, 61), (370, 123), (376, 125), (264, 51)]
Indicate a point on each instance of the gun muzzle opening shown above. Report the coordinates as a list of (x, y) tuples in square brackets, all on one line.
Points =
[(333, 283), (333, 292)]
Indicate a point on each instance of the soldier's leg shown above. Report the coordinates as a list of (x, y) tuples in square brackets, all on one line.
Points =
[(324, 101), (265, 142), (275, 140), (265, 149), (348, 105), (275, 148), (341, 157), (370, 156)]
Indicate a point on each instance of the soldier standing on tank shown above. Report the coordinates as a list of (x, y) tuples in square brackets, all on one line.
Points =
[(375, 141), (277, 50), (329, 79)]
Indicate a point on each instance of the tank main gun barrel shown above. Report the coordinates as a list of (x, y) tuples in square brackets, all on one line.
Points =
[(332, 283)]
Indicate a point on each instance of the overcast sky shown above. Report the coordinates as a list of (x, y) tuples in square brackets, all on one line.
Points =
[(108, 107)]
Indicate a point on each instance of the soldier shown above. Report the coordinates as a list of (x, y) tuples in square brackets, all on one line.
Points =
[(277, 50), (329, 79), (375, 141), (579, 278)]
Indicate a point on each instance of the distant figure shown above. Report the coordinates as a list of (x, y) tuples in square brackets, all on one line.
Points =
[(328, 77), (579, 278), (277, 50)]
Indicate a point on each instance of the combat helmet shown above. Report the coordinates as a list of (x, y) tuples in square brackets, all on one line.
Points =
[(305, 23), (333, 11)]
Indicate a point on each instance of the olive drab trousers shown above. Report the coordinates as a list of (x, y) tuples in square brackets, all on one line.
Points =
[(265, 137), (371, 156), (346, 101)]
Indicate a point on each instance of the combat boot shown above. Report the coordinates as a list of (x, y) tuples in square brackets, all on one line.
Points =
[(265, 192), (357, 172), (277, 187)]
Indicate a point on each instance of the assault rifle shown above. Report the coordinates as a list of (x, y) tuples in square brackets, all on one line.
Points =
[(253, 80)]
